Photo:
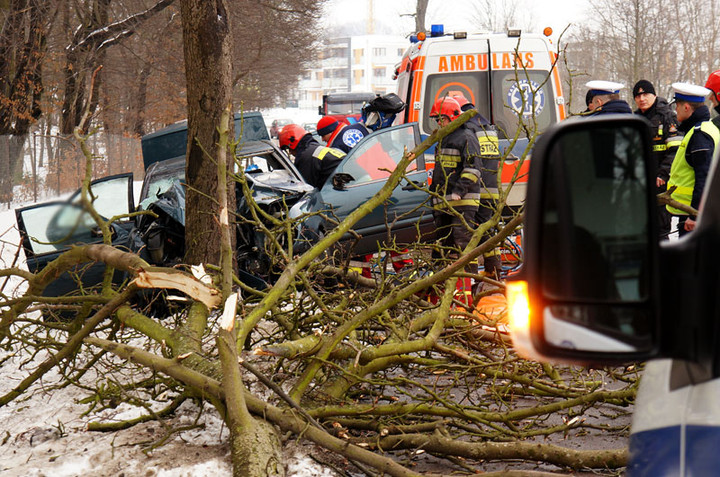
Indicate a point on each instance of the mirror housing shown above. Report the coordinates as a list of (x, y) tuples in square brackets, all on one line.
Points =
[(588, 289), (340, 179)]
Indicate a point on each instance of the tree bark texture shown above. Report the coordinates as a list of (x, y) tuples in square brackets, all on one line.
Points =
[(22, 48), (206, 45), (420, 11)]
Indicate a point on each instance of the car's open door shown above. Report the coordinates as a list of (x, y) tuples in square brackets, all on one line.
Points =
[(364, 171), (49, 229)]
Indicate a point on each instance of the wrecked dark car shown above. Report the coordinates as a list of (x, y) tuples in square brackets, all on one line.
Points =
[(279, 190), (276, 187)]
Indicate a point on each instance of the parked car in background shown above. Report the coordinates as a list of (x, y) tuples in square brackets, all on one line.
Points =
[(276, 125), (312, 129)]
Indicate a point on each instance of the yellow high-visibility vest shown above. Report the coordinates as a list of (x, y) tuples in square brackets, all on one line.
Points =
[(682, 174)]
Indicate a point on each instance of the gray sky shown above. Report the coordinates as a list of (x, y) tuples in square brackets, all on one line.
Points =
[(452, 13)]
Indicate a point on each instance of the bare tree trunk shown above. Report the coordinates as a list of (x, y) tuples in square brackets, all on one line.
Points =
[(420, 12), (138, 126), (206, 38), (22, 47), (34, 153)]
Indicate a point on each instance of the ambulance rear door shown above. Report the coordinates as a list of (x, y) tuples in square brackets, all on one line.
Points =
[(525, 89), (526, 99), (450, 66)]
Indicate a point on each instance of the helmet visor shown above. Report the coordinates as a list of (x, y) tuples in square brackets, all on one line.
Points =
[(373, 119)]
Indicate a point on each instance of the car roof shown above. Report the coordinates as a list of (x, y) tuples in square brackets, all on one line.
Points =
[(245, 149), (181, 125)]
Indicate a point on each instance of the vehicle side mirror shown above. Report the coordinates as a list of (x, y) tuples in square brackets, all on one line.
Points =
[(340, 179), (588, 289)]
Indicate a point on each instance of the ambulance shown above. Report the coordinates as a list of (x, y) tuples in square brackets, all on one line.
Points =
[(511, 78)]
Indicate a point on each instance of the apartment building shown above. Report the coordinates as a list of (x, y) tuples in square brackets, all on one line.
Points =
[(356, 63)]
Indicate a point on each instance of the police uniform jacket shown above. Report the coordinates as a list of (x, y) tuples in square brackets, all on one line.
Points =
[(612, 107), (665, 136), (316, 162), (349, 136), (458, 169), (698, 153)]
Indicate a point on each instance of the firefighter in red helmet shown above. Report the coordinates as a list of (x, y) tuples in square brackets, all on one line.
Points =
[(489, 194), (314, 161), (456, 179), (713, 84)]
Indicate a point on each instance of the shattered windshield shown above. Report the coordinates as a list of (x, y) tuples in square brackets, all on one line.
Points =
[(160, 180)]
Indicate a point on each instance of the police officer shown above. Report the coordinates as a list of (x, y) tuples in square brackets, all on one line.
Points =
[(713, 84), (606, 98), (489, 194), (456, 176), (665, 139), (692, 161), (313, 160), (340, 135)]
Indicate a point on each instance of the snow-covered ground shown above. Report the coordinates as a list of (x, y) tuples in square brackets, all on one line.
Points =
[(44, 432)]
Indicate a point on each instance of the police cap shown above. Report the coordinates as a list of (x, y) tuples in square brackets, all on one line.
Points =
[(690, 92), (599, 87)]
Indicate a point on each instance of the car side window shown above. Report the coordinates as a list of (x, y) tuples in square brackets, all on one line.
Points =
[(109, 196), (377, 155), (56, 226)]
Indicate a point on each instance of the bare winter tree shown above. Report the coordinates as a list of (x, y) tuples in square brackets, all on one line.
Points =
[(87, 52), (630, 40), (274, 41), (698, 34), (633, 40), (22, 48), (497, 15)]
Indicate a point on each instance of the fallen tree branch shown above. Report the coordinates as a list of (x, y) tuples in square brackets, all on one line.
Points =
[(531, 451)]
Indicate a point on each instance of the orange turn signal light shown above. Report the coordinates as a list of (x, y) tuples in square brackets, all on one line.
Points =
[(518, 305), (421, 36), (547, 31)]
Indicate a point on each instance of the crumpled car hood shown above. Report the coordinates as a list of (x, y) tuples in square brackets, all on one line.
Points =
[(266, 189)]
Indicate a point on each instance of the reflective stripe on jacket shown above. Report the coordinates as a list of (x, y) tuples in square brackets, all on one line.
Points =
[(490, 158), (682, 174), (458, 170)]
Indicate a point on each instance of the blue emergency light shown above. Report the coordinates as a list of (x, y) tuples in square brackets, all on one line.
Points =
[(437, 30)]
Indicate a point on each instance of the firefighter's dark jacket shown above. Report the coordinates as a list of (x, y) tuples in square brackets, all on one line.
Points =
[(458, 169), (489, 157), (665, 136), (316, 162)]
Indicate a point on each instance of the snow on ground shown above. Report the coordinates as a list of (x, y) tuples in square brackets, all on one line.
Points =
[(43, 432)]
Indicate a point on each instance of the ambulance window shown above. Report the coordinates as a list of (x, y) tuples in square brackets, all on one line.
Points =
[(474, 86), (524, 97)]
